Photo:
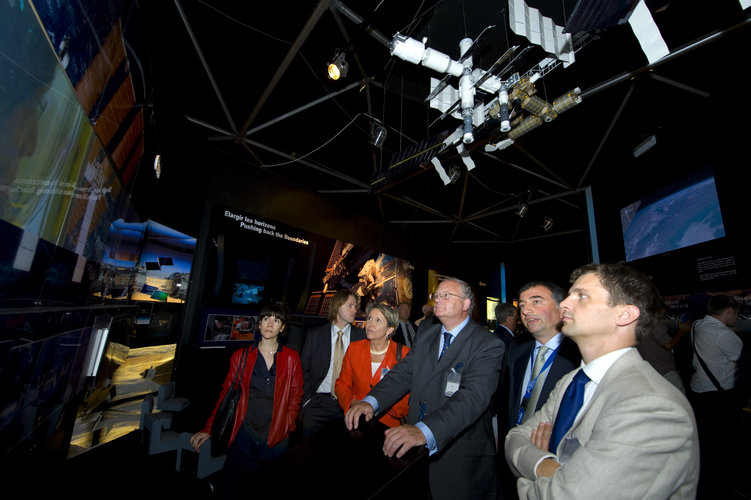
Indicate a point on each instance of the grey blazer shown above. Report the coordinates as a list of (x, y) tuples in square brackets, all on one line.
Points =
[(636, 439), (464, 464)]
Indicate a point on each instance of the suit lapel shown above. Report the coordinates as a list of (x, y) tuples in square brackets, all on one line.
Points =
[(582, 428)]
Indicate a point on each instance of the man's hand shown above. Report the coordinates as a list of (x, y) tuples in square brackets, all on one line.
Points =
[(401, 439), (547, 467), (541, 436), (356, 410)]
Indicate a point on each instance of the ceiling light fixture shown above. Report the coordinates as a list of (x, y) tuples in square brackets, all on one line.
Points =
[(338, 67), (522, 210), (377, 135), (547, 223), (454, 174)]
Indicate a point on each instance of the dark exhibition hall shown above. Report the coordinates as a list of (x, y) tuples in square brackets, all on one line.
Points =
[(171, 171)]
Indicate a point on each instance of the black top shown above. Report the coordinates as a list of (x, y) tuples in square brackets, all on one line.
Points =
[(261, 398)]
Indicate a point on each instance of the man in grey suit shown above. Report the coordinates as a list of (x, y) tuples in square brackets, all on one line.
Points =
[(450, 375), (632, 433)]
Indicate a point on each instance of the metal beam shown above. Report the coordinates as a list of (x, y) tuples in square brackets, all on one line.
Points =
[(205, 65), (322, 6)]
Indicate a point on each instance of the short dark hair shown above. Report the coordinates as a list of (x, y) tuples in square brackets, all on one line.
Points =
[(339, 298), (558, 293), (718, 303), (277, 310), (627, 286), (504, 311)]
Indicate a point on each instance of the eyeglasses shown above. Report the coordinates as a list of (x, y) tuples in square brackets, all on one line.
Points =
[(443, 295)]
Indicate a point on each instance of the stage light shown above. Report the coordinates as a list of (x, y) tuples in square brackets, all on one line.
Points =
[(547, 223), (522, 210), (338, 67)]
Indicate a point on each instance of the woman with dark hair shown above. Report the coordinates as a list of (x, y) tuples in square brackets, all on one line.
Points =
[(367, 361), (272, 388)]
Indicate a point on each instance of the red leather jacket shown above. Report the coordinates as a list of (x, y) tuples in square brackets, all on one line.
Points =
[(288, 391)]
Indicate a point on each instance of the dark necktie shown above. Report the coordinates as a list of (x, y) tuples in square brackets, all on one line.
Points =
[(446, 342), (571, 403)]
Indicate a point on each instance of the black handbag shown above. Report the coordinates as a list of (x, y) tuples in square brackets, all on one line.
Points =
[(224, 420)]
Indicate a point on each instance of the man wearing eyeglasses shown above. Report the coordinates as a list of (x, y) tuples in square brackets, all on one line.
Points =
[(451, 374)]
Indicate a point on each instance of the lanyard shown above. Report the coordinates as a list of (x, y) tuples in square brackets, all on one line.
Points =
[(532, 382)]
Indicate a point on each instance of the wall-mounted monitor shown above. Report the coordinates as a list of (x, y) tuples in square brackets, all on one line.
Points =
[(681, 215)]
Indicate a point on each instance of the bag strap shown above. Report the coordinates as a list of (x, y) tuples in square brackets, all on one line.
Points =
[(701, 361), (399, 351), (241, 368)]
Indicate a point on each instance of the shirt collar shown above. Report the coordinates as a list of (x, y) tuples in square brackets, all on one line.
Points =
[(597, 368), (335, 330), (457, 328), (553, 343)]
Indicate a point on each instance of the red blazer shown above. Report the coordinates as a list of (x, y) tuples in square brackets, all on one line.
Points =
[(287, 393), (355, 382)]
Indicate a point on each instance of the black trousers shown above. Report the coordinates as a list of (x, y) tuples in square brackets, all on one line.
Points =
[(319, 413)]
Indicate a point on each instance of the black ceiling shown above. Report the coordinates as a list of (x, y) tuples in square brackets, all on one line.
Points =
[(221, 68)]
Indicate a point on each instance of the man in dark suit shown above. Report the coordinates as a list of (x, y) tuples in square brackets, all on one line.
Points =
[(451, 374), (507, 318), (538, 308), (404, 333), (321, 365), (539, 313)]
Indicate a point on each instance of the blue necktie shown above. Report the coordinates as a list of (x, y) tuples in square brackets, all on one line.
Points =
[(446, 342), (571, 403)]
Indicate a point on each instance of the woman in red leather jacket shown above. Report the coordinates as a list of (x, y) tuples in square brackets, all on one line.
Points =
[(272, 388)]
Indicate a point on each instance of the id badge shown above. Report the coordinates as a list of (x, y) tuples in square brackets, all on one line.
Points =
[(452, 383)]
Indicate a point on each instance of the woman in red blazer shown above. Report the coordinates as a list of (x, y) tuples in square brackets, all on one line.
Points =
[(367, 361), (267, 411)]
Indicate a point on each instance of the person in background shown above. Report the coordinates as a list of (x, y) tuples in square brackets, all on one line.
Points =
[(322, 355), (714, 395), (368, 361), (272, 388), (404, 331), (656, 349), (507, 319), (427, 314)]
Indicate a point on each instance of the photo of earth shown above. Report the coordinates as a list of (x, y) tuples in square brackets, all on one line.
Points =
[(686, 217)]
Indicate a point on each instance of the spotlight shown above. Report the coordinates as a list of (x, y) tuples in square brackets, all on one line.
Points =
[(522, 210), (547, 223), (338, 67), (454, 174)]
